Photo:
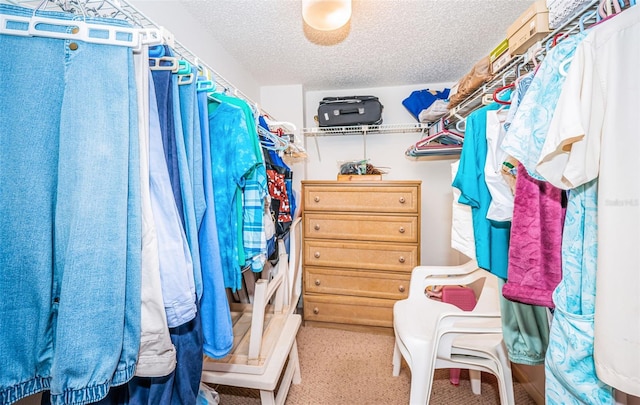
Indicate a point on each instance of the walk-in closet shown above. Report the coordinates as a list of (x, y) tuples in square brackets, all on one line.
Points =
[(309, 202)]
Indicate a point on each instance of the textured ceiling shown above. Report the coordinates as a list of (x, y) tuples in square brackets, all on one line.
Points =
[(387, 43)]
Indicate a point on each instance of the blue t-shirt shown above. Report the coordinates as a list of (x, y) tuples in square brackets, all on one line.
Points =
[(232, 158)]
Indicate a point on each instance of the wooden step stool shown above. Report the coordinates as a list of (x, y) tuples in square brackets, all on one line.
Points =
[(264, 333)]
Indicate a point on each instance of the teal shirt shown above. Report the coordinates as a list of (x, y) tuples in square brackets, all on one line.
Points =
[(491, 237)]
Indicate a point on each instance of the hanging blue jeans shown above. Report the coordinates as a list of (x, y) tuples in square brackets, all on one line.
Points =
[(69, 215), (185, 176), (182, 385), (164, 97)]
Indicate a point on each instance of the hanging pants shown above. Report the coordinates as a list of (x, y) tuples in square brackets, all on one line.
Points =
[(69, 215)]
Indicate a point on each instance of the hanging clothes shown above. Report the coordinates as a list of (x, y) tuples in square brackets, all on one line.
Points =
[(71, 204), (164, 98), (491, 237), (273, 158), (217, 327), (535, 250), (593, 134), (525, 327), (233, 159), (528, 130), (157, 355), (180, 386), (184, 108), (251, 238), (535, 259), (570, 376), (176, 265), (277, 174), (501, 205), (461, 221)]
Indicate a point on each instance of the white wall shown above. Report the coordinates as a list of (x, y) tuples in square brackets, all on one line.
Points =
[(192, 35), (326, 153)]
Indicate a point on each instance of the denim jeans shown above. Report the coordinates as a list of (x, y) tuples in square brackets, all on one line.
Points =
[(176, 268), (164, 98), (191, 160), (186, 185), (69, 216), (182, 385)]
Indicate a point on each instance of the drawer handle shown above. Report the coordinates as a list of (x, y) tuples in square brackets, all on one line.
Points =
[(316, 227), (401, 288), (316, 255), (317, 282), (402, 200), (401, 259), (401, 230), (316, 199), (316, 310)]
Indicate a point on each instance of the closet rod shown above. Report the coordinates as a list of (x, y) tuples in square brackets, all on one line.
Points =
[(121, 9), (144, 22)]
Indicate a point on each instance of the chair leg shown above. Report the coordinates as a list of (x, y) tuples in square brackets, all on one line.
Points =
[(454, 376), (507, 386), (293, 357), (267, 398), (476, 381), (397, 360), (420, 386), (507, 376)]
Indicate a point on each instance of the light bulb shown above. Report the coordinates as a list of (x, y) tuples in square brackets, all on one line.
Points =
[(326, 15)]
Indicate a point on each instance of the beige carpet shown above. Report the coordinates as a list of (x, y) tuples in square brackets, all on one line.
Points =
[(342, 367)]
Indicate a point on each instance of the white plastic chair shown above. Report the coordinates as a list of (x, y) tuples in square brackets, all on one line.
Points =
[(431, 334)]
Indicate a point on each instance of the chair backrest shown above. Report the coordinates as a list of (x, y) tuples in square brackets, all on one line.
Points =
[(485, 286), (488, 294)]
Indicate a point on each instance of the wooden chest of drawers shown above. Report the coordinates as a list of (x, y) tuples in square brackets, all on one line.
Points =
[(361, 241)]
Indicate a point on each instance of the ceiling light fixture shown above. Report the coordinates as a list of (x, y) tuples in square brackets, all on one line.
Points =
[(326, 15)]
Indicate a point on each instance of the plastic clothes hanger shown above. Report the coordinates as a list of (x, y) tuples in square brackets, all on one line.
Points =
[(184, 72), (461, 124), (444, 137), (203, 81), (498, 92), (164, 63), (563, 67), (287, 126), (607, 4), (80, 30), (272, 141)]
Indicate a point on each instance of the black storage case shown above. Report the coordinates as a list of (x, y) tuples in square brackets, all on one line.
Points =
[(348, 111)]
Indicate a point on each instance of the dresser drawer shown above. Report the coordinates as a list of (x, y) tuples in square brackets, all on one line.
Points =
[(372, 284), (353, 255), (377, 228), (348, 310), (365, 198)]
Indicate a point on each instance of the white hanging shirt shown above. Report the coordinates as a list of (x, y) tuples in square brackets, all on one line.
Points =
[(501, 206), (595, 131), (461, 222)]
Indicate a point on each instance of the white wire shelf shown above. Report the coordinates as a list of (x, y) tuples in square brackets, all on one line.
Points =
[(585, 16), (366, 129)]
